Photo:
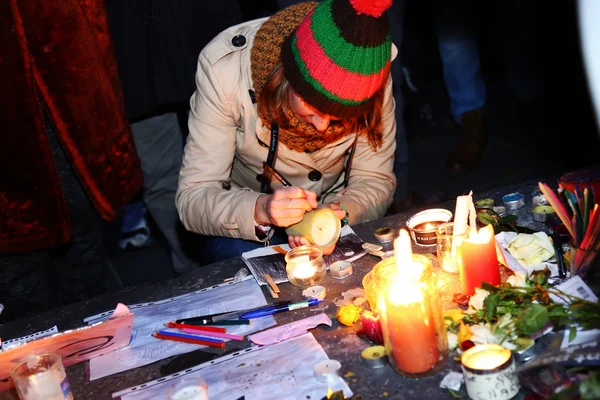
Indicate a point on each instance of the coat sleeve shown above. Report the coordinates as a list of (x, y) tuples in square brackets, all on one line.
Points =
[(204, 200), (372, 181)]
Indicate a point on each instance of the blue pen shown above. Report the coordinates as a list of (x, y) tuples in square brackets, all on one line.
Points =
[(196, 337), (273, 310)]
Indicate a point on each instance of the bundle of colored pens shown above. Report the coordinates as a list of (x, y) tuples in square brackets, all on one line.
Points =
[(578, 211), (202, 335)]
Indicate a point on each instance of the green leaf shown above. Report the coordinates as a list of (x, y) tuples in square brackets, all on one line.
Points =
[(509, 219), (454, 394), (532, 319), (488, 287), (541, 276), (572, 333), (489, 306), (486, 218), (557, 311)]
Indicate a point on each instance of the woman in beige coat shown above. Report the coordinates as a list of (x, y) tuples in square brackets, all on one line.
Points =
[(306, 91)]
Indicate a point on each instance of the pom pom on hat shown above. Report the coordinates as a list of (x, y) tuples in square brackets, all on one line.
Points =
[(374, 8)]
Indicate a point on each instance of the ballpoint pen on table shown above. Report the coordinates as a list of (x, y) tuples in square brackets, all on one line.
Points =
[(213, 319), (276, 309)]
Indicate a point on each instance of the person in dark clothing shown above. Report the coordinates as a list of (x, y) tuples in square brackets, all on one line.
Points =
[(157, 43), (67, 156)]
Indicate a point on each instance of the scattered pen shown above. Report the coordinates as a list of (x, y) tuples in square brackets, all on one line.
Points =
[(229, 322), (212, 319), (196, 327), (213, 334), (187, 340), (274, 310), (195, 336)]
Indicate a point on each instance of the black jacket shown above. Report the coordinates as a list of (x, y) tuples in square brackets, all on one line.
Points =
[(157, 43)]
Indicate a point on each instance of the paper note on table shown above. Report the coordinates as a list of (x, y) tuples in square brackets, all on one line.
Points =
[(150, 317), (288, 331), (271, 260), (281, 371)]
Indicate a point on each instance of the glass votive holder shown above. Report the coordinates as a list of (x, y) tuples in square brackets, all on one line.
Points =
[(489, 372), (188, 388), (447, 243), (583, 260), (41, 376), (412, 323), (305, 266)]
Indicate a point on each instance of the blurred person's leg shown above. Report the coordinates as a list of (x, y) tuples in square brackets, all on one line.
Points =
[(460, 61), (159, 143), (396, 17), (77, 268)]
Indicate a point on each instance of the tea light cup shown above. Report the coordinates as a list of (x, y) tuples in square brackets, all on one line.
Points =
[(305, 266), (41, 376), (422, 226), (188, 388), (489, 372)]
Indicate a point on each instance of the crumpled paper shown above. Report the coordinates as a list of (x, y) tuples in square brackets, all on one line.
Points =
[(288, 331), (452, 381)]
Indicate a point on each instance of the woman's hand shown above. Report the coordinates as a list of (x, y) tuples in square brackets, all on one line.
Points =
[(297, 241), (285, 207)]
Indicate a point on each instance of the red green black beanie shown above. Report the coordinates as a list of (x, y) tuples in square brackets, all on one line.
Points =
[(339, 56)]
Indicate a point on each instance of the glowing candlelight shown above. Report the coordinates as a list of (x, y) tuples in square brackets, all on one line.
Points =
[(304, 270), (489, 372), (477, 258), (305, 266)]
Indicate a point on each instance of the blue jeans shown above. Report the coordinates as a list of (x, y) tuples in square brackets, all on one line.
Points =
[(218, 248), (514, 25), (460, 56)]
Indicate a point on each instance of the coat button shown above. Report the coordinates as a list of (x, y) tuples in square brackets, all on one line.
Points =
[(315, 175), (238, 40)]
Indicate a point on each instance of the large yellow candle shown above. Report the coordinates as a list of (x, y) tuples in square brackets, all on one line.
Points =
[(321, 227)]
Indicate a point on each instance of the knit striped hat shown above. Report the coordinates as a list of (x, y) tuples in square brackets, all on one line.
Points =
[(339, 56)]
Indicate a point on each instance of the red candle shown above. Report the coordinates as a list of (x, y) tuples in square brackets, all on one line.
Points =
[(411, 337), (478, 261)]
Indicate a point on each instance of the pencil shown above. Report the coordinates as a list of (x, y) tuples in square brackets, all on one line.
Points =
[(186, 340), (196, 327), (213, 334)]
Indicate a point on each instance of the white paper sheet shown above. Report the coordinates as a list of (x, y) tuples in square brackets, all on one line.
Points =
[(504, 238), (150, 317), (281, 371), (287, 331)]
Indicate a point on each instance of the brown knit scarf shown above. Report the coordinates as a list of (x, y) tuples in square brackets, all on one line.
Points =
[(265, 54)]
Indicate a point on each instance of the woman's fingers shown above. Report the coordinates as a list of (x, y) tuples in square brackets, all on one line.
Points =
[(297, 241)]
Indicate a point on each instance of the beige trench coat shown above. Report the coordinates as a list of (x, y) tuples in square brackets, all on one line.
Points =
[(218, 184)]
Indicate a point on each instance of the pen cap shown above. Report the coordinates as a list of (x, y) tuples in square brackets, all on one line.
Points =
[(321, 227)]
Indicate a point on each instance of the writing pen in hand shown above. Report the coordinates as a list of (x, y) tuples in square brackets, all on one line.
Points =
[(277, 309), (272, 171)]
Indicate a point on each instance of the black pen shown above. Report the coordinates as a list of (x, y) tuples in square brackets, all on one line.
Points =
[(276, 174), (211, 319)]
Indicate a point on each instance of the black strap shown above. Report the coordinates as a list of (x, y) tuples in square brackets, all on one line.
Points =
[(264, 185)]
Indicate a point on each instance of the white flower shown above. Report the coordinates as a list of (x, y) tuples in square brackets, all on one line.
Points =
[(476, 301), (518, 279), (452, 340), (531, 249), (482, 334)]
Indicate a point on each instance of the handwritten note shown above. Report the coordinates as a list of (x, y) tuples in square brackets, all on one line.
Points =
[(151, 317)]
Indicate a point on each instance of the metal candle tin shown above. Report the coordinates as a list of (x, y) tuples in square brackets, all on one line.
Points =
[(490, 373), (543, 213), (513, 201)]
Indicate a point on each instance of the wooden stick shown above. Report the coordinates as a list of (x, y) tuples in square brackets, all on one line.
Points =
[(273, 294), (272, 283)]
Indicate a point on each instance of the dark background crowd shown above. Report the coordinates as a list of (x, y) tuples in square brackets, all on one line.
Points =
[(502, 80)]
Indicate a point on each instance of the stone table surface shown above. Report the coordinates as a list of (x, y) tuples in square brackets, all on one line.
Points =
[(340, 342)]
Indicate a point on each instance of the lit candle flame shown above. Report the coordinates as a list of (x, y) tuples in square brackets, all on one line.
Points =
[(406, 283), (329, 392), (484, 235)]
